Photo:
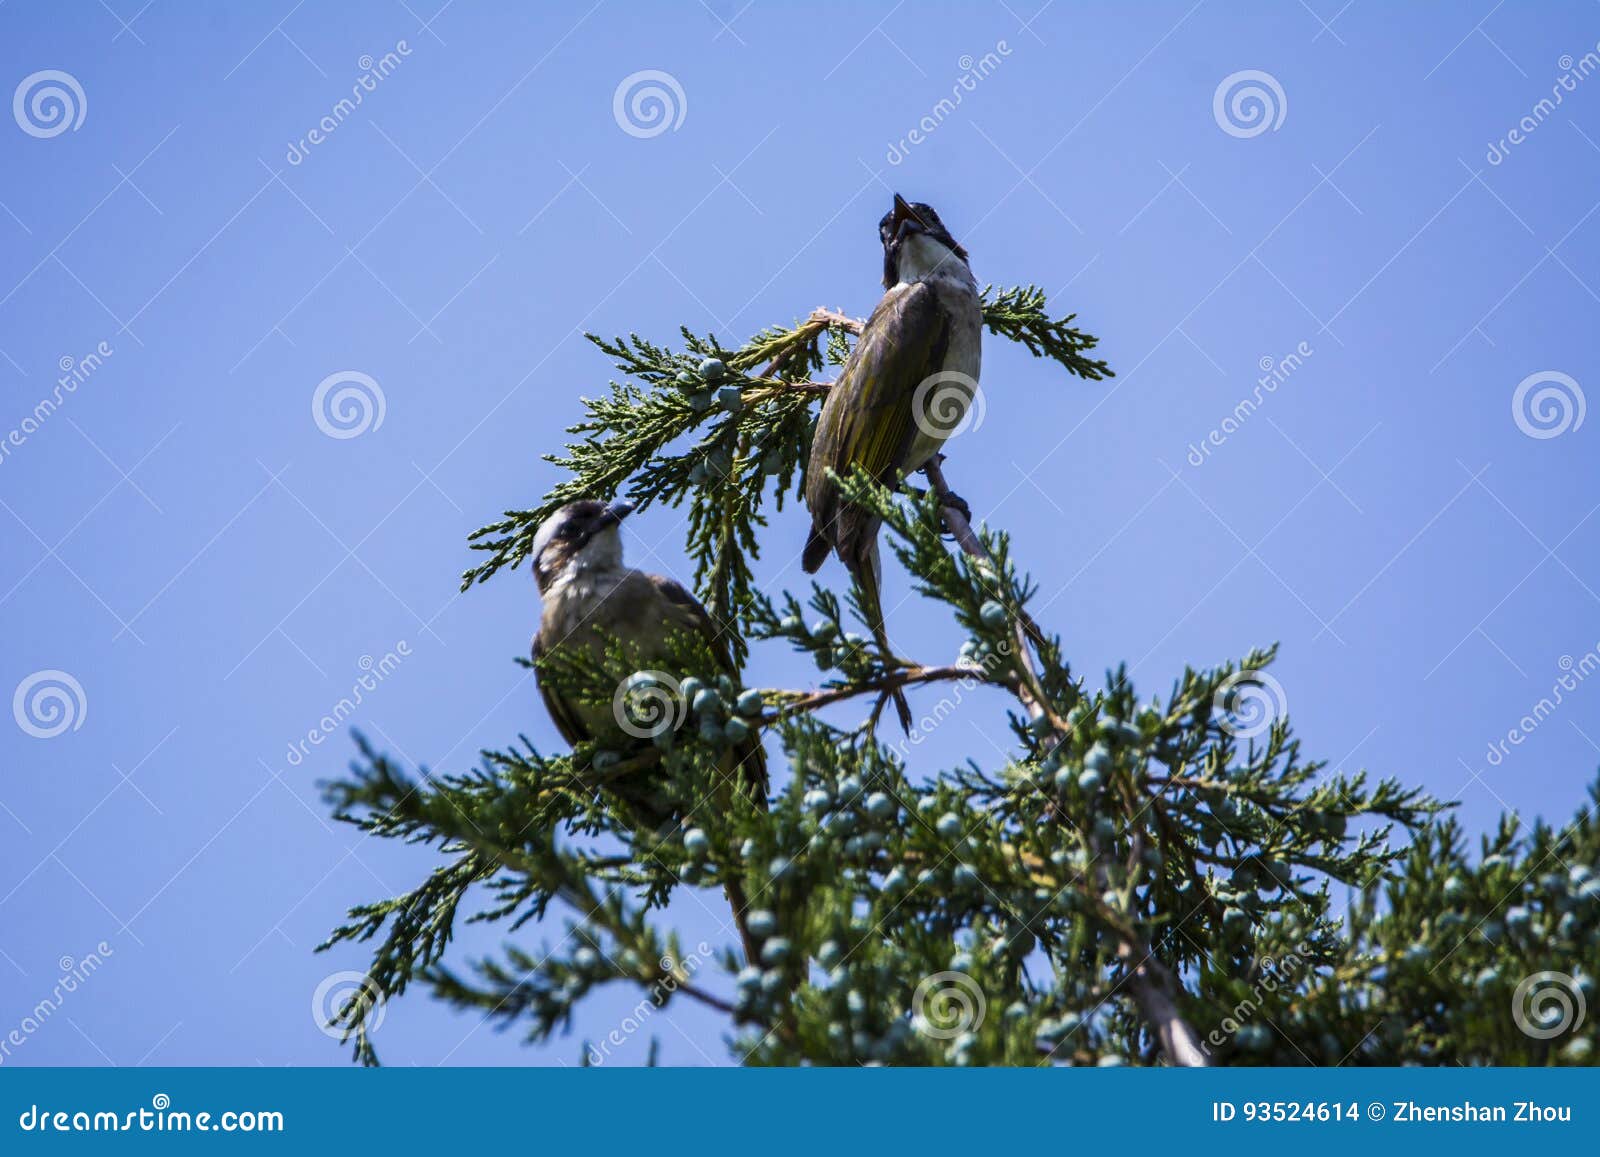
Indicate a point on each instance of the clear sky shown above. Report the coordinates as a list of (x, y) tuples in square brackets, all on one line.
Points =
[(183, 539)]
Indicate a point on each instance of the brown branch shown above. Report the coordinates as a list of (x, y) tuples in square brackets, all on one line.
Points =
[(807, 332), (781, 386), (893, 681)]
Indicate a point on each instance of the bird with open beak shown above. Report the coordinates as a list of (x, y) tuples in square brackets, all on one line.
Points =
[(904, 389), (591, 600)]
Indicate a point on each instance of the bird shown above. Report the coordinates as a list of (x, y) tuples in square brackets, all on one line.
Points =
[(903, 390), (591, 599)]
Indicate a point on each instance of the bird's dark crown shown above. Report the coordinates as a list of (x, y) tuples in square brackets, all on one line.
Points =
[(904, 219), (562, 536)]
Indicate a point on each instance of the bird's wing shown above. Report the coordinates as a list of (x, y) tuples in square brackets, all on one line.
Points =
[(867, 422), (685, 609), (683, 606), (561, 712)]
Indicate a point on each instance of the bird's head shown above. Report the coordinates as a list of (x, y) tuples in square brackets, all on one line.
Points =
[(916, 243), (580, 536)]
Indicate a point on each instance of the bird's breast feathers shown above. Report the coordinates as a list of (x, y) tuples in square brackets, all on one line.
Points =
[(945, 399), (590, 609)]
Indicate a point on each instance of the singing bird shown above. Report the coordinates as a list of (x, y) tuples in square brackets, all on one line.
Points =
[(904, 389), (590, 599)]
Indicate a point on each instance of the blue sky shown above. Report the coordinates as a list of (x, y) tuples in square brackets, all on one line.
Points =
[(212, 569)]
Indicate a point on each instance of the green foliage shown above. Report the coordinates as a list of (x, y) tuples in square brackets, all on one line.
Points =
[(1120, 855)]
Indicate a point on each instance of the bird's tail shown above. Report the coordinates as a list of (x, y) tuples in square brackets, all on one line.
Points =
[(818, 544), (867, 578)]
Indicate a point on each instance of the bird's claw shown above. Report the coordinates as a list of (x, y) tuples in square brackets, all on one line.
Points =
[(959, 505)]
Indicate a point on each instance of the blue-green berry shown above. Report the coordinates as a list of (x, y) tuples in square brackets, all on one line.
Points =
[(696, 842), (730, 399), (1254, 1038), (775, 951), (749, 702), (880, 805), (948, 826), (712, 369), (992, 615)]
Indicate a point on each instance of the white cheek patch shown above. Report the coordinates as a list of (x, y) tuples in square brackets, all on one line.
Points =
[(545, 533), (921, 255), (602, 552)]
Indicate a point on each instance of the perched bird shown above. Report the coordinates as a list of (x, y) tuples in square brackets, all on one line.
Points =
[(592, 599), (905, 388)]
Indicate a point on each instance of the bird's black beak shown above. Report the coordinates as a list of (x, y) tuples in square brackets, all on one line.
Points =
[(903, 215), (616, 512)]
